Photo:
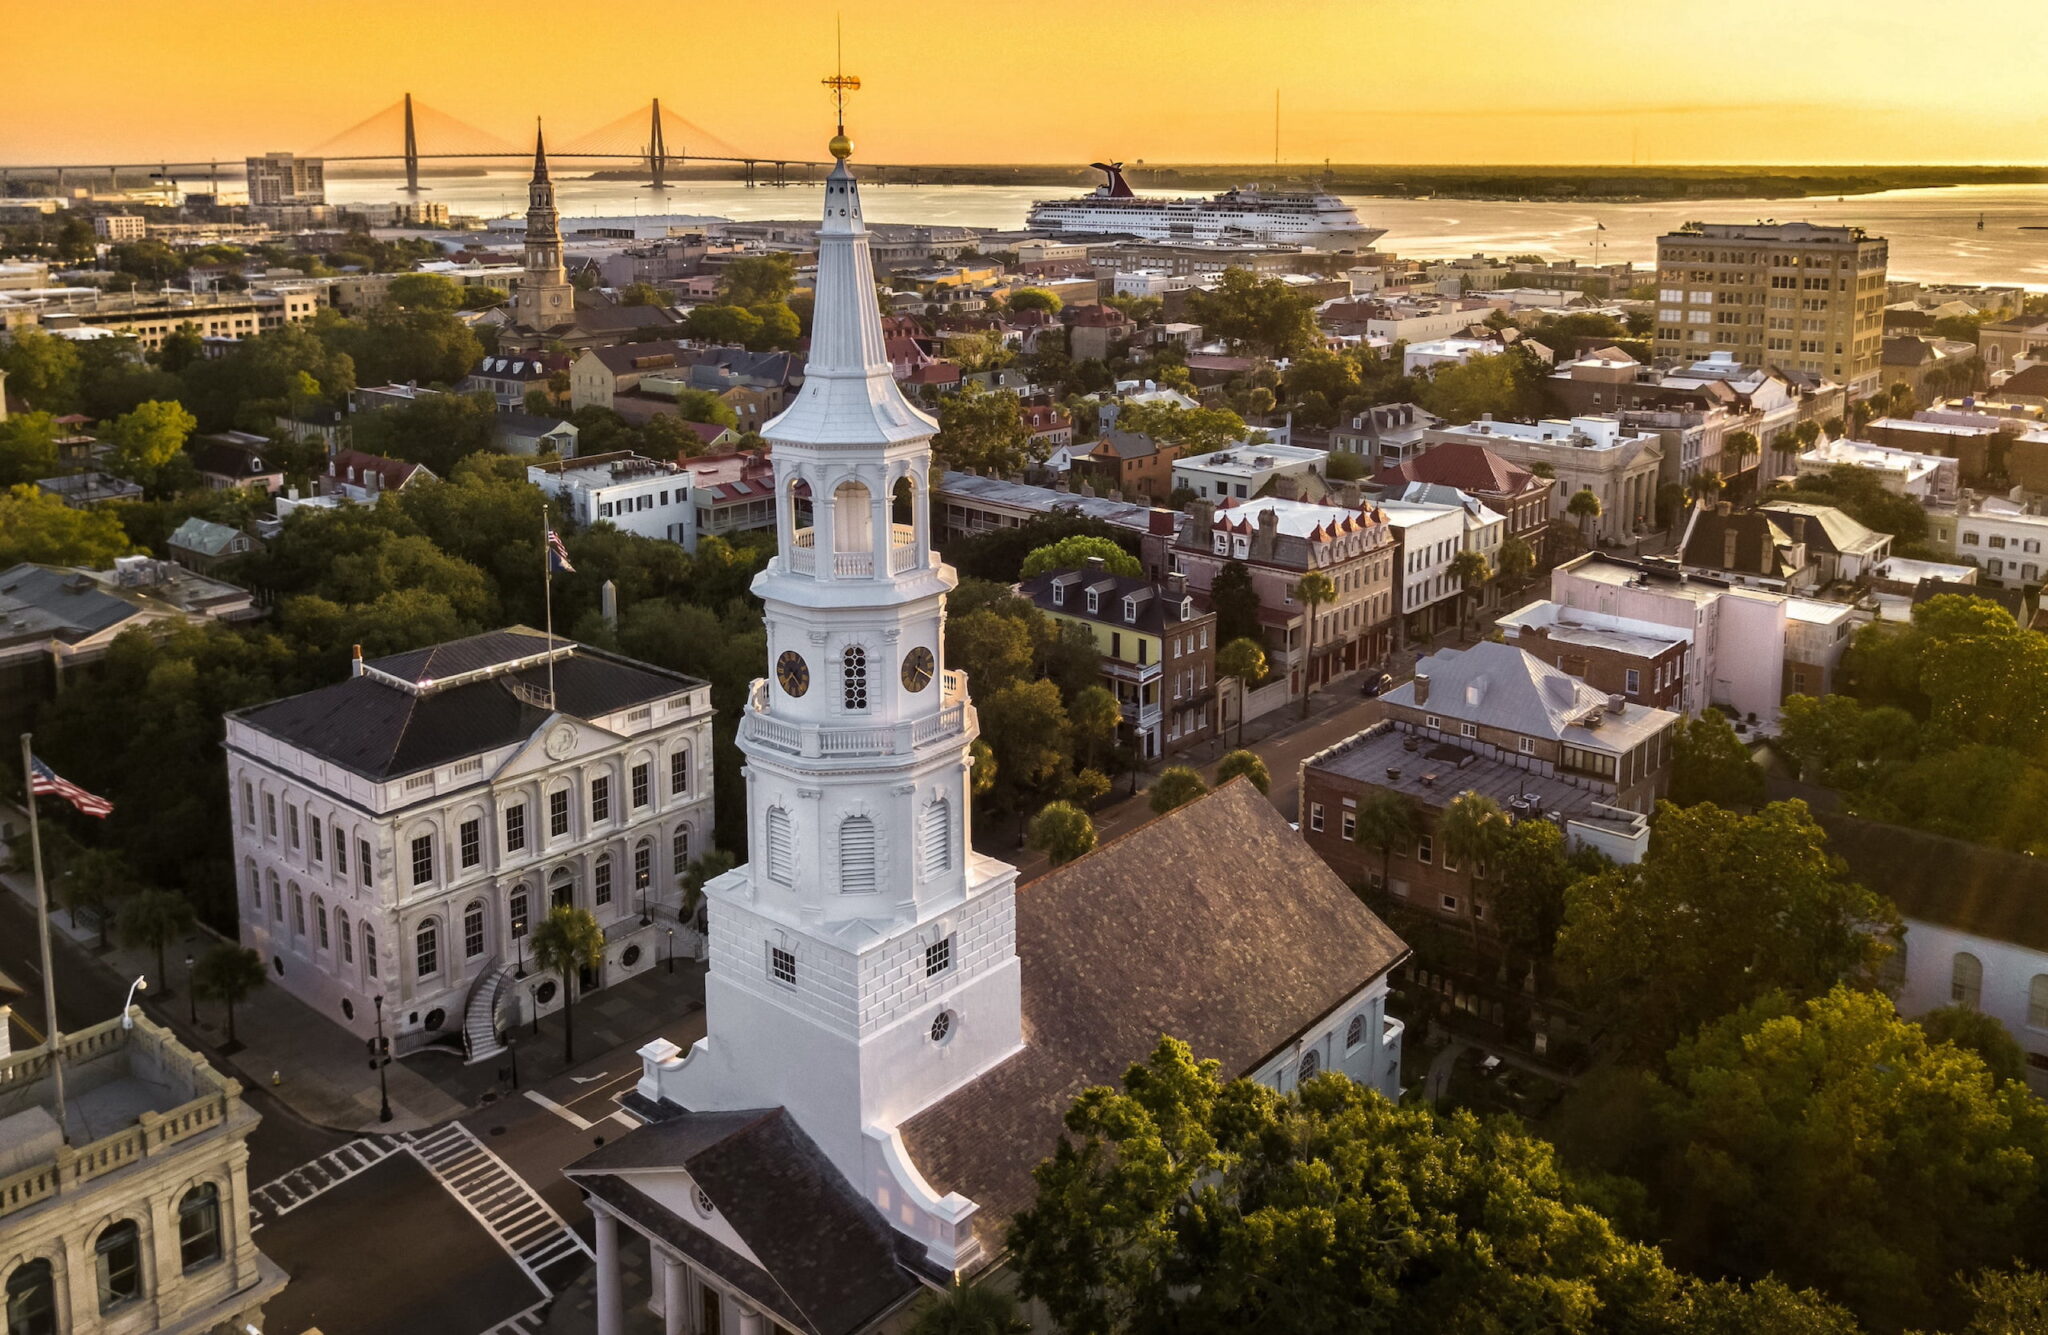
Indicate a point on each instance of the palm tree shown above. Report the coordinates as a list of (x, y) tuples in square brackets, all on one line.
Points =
[(228, 974), (1471, 829), (1584, 506), (1517, 559), (1471, 570), (1242, 660), (566, 941), (1740, 446), (153, 919), (690, 884), (1313, 589), (981, 1309), (1387, 821)]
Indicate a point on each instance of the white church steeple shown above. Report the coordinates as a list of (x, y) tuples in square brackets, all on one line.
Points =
[(863, 962)]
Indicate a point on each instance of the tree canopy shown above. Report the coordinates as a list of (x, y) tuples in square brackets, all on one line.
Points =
[(983, 430), (1074, 552), (1261, 315)]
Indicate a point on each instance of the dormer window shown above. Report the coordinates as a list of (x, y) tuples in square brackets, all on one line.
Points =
[(1130, 609), (1094, 602), (1059, 594), (1187, 609), (1222, 543)]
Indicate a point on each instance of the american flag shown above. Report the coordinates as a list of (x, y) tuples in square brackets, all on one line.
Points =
[(46, 782), (558, 555)]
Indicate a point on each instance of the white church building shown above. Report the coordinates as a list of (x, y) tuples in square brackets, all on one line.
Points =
[(894, 1027)]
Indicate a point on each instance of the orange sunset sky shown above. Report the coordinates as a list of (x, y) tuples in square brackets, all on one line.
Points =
[(1419, 81)]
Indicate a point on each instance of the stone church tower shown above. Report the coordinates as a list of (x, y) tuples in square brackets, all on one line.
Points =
[(545, 299), (863, 965)]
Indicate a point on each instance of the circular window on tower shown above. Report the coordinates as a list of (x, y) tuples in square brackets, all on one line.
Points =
[(703, 1203), (942, 1027)]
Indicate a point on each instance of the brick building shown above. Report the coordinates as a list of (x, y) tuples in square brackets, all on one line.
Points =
[(1516, 494), (1640, 660), (1158, 651)]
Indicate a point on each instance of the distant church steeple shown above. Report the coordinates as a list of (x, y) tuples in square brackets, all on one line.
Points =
[(545, 297)]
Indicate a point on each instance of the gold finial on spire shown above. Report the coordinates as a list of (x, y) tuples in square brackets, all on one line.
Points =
[(841, 83)]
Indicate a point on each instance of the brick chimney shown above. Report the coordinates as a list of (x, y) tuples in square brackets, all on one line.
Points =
[(1268, 536), (1422, 688)]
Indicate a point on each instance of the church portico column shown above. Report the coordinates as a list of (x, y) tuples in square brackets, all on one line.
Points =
[(673, 1302), (751, 1321), (610, 1310)]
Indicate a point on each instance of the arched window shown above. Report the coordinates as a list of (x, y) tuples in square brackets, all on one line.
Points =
[(853, 677), (643, 865), (857, 856), (298, 911), (515, 912), (562, 889), (473, 930), (199, 1226), (369, 951), (276, 897), (679, 846), (1311, 1062), (32, 1299), (117, 1257), (320, 920), (1966, 980), (601, 879), (781, 843), (255, 888), (852, 519), (348, 943), (1354, 1033), (935, 837), (2037, 1002), (426, 949)]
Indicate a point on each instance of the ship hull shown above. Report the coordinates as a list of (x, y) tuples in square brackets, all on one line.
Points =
[(1197, 226)]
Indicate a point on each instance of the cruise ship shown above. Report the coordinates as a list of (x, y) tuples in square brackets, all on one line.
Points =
[(1242, 214)]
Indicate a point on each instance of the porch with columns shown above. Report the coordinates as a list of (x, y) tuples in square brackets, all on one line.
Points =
[(671, 1296)]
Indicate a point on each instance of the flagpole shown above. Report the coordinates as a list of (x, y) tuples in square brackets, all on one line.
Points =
[(53, 1039), (547, 580)]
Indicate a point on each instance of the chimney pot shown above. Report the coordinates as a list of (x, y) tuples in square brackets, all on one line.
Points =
[(1422, 688)]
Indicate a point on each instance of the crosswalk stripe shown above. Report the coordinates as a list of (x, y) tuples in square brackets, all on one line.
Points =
[(290, 1190), (514, 1214)]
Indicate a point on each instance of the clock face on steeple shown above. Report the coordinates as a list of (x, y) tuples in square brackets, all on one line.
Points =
[(917, 669), (793, 673)]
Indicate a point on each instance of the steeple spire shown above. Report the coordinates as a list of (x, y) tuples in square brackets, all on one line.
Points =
[(540, 152)]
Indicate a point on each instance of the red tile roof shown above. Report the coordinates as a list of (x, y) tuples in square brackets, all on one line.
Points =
[(1472, 468)]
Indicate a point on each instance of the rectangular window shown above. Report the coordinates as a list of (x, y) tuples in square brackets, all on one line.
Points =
[(248, 803), (938, 957), (1348, 824), (270, 815), (1450, 903), (472, 843), (516, 913), (341, 852), (679, 773), (291, 826), (1423, 851), (363, 861), (1526, 745), (640, 786), (558, 813), (319, 838), (781, 966), (423, 859), (1315, 817), (515, 827), (473, 932), (600, 799), (1632, 681), (602, 881), (1468, 729)]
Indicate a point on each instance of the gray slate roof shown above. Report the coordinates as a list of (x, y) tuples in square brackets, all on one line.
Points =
[(380, 731), (1499, 686), (52, 601), (204, 536)]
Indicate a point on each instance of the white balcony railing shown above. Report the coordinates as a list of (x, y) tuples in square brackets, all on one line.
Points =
[(759, 725), (904, 555)]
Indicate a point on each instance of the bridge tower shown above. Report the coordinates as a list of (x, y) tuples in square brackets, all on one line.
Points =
[(657, 149), (412, 152)]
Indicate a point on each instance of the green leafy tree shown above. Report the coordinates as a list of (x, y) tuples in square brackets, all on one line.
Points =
[(28, 448), (1312, 590), (1585, 507), (41, 368), (482, 296), (180, 348), (1182, 1203), (994, 650), (1388, 820), (1025, 723), (1095, 716), (1833, 1144), (1062, 831), (39, 527), (149, 438), (1472, 829), (425, 292), (565, 942), (2008, 1302), (979, 1309), (1025, 299), (1530, 872), (1195, 430), (726, 326), (1517, 561), (780, 327), (438, 430), (1973, 1031), (691, 881), (228, 973), (1236, 602), (1176, 786), (1724, 909), (1709, 763), (1087, 786), (641, 294), (1243, 660), (701, 405), (94, 886), (752, 280), (1472, 571), (1260, 315), (1073, 553), (150, 919), (983, 430), (1508, 385), (1246, 764)]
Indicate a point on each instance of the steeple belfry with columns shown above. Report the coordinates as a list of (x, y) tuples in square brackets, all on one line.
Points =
[(545, 297), (863, 964)]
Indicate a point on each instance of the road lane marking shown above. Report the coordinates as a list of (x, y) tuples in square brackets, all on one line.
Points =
[(510, 1210), (580, 1123)]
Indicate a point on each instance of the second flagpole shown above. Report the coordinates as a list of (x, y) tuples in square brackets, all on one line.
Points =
[(53, 1039)]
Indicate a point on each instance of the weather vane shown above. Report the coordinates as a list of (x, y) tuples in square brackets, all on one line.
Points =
[(841, 83)]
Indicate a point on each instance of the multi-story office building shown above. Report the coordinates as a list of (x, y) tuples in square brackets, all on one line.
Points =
[(1790, 295), (1158, 652), (399, 833), (119, 227), (283, 180), (140, 1221)]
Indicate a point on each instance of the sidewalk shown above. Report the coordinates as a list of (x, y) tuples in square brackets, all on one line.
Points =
[(324, 1072)]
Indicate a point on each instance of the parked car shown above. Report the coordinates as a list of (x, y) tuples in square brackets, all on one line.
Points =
[(1377, 683)]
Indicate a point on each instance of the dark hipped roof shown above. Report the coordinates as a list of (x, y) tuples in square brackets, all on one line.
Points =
[(1158, 610), (1950, 883), (380, 730), (835, 1273), (56, 602), (1215, 924)]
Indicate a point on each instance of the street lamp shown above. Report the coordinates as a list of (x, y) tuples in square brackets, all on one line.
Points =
[(640, 879), (140, 984), (383, 1059), (671, 949), (191, 993), (519, 947)]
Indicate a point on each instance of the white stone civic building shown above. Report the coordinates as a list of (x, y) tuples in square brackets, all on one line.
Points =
[(893, 1027), (399, 833)]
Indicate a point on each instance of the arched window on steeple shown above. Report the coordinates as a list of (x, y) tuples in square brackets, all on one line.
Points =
[(857, 856), (852, 518), (853, 676), (780, 838)]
